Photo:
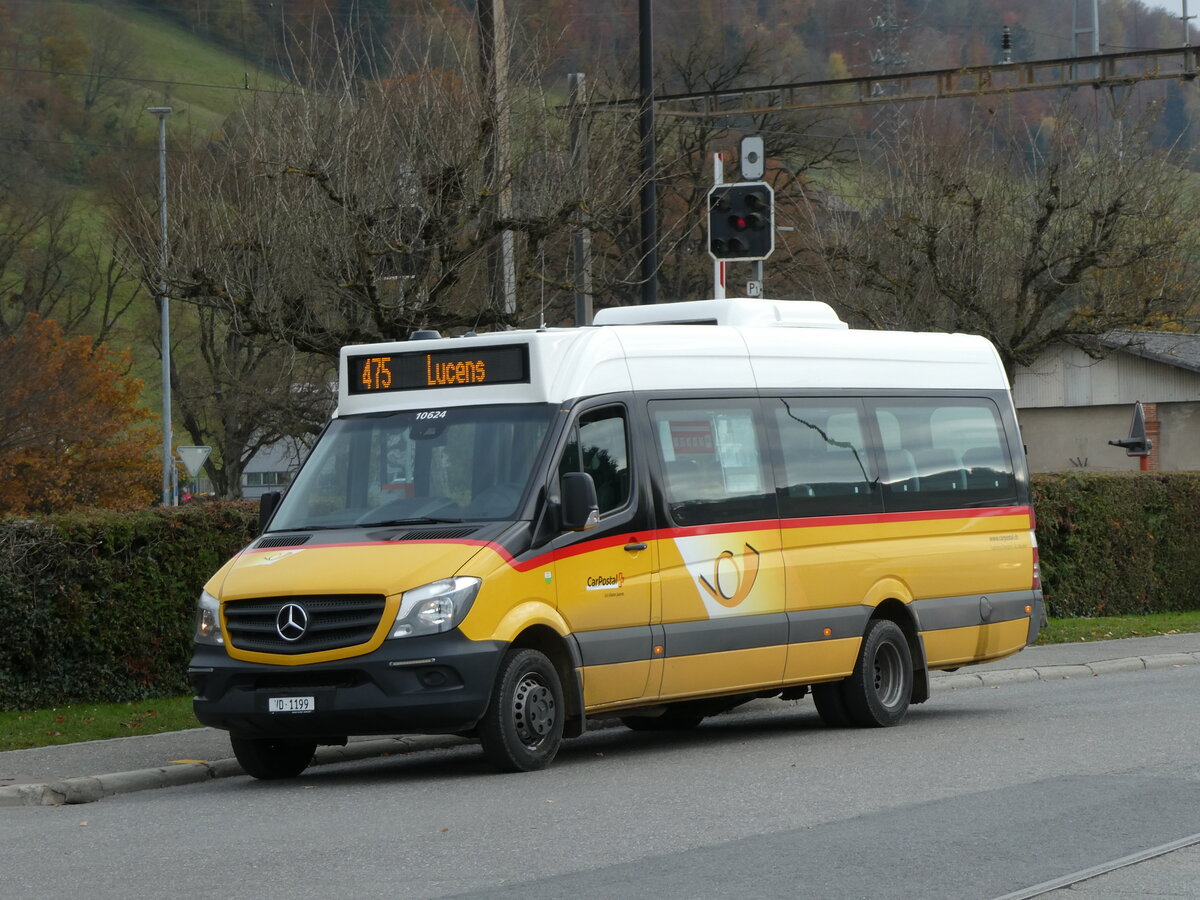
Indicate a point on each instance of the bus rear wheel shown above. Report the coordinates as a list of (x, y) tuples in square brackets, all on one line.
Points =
[(878, 691), (523, 726), (831, 704)]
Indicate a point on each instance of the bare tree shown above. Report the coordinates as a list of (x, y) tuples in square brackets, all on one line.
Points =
[(1051, 235), (686, 139), (113, 54), (48, 266), (355, 212), (243, 394)]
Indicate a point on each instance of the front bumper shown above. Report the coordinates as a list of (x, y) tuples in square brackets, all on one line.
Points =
[(433, 684)]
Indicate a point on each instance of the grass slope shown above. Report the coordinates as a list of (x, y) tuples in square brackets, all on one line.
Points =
[(173, 54)]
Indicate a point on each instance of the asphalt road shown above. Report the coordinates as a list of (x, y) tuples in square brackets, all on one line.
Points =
[(981, 793)]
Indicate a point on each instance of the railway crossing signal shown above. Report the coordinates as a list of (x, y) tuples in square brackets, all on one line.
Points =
[(741, 221)]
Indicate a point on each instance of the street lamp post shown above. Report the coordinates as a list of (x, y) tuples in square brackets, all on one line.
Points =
[(168, 481)]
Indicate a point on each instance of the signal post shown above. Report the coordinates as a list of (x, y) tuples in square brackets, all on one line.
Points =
[(741, 218)]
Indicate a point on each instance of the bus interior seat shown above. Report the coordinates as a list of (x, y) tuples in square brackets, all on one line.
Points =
[(902, 470), (940, 469), (985, 467), (837, 471)]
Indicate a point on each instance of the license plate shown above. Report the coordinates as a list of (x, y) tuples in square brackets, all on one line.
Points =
[(291, 704)]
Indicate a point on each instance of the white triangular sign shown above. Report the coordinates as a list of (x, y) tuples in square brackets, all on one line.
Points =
[(193, 458)]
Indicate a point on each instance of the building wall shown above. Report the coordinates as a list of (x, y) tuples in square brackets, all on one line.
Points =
[(1076, 437), (1070, 406), (1067, 376), (275, 465)]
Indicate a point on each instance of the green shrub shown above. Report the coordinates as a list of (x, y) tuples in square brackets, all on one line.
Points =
[(1119, 543), (98, 605)]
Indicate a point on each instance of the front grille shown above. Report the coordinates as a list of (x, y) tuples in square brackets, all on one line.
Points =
[(330, 621)]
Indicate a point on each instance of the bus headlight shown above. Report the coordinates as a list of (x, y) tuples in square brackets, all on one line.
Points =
[(432, 608), (208, 620)]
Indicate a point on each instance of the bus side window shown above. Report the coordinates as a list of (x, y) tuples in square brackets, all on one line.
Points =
[(826, 467), (713, 461), (599, 446), (944, 454)]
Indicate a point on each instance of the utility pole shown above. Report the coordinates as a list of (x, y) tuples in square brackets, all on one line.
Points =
[(493, 64), (890, 60), (649, 201), (581, 239), (1079, 30), (718, 264), (168, 474)]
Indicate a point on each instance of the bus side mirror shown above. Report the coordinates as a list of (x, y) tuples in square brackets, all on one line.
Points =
[(580, 508), (267, 504)]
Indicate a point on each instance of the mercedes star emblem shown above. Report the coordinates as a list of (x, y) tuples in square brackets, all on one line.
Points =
[(291, 622)]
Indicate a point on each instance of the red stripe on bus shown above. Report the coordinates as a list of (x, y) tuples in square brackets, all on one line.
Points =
[(662, 534)]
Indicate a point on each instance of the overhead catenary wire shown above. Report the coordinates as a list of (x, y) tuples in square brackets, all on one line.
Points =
[(161, 81)]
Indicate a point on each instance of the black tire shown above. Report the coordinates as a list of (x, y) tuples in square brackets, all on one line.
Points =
[(666, 722), (523, 726), (878, 691), (272, 758), (831, 704)]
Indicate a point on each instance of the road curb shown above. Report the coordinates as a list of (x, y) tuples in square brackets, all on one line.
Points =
[(90, 788), (952, 681)]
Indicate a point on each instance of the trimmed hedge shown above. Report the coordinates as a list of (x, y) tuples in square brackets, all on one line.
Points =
[(1119, 543), (98, 606)]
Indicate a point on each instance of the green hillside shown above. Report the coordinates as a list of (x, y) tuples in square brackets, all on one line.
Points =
[(184, 62)]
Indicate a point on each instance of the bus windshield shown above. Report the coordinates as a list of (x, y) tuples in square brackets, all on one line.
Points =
[(458, 464)]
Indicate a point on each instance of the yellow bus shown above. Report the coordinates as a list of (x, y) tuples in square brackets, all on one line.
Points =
[(656, 518)]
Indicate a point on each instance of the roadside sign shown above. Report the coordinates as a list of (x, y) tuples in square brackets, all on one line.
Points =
[(193, 458), (1138, 443)]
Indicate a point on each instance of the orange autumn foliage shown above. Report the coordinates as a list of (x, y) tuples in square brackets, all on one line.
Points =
[(71, 430)]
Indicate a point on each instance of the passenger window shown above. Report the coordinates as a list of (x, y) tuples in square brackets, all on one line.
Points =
[(598, 445), (712, 461), (826, 466), (944, 454)]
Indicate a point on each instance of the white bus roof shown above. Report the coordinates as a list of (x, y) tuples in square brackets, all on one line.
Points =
[(737, 313), (754, 344)]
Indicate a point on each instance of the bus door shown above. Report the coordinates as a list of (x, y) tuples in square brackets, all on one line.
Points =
[(968, 555), (723, 621), (830, 504), (603, 576)]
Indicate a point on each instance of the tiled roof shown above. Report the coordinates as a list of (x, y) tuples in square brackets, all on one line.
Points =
[(1168, 347)]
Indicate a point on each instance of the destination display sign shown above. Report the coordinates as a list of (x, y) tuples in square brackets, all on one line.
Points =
[(432, 369)]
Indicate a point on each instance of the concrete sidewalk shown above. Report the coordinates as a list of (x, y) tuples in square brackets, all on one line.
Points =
[(82, 773)]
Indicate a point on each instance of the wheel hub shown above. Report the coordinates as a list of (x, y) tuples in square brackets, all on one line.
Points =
[(533, 710), (888, 675)]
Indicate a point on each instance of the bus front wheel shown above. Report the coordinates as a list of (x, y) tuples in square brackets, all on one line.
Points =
[(271, 758), (523, 726), (878, 691)]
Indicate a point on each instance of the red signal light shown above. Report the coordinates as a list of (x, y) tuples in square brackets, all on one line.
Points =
[(740, 221)]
